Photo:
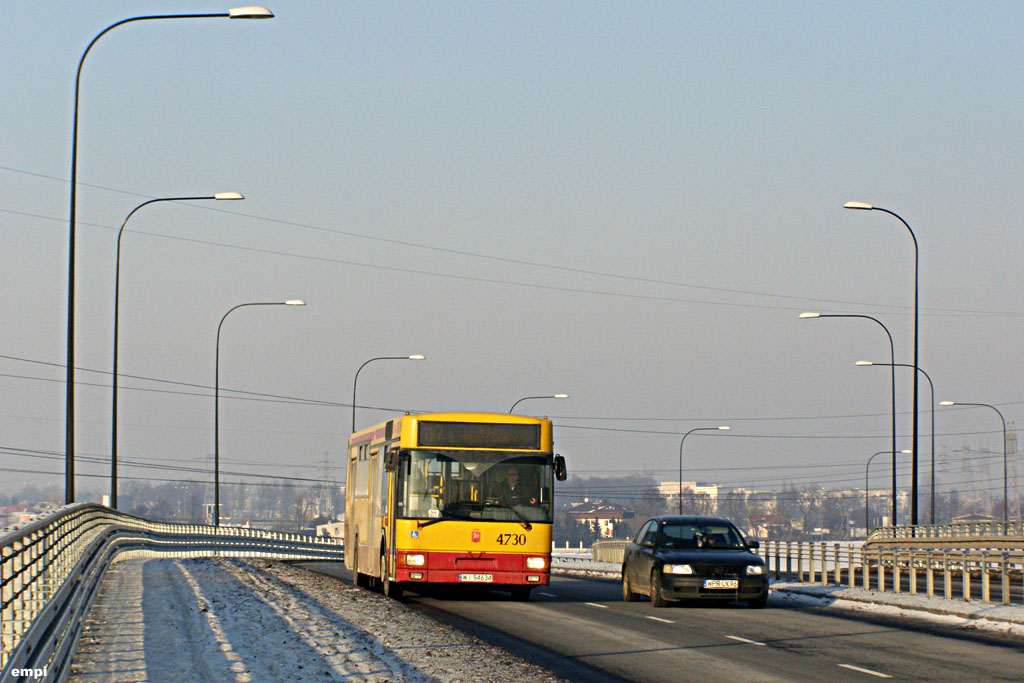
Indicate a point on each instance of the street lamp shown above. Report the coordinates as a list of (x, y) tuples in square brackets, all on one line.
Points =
[(251, 12), (892, 355), (117, 296), (867, 522), (528, 398), (913, 443), (216, 400), (681, 441), (356, 378), (987, 405), (932, 389)]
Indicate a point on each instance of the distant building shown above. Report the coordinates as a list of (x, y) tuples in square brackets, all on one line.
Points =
[(604, 516)]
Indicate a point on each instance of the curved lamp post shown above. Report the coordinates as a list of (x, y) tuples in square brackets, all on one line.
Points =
[(69, 419), (356, 378), (681, 441), (932, 389), (117, 298), (913, 443), (987, 405), (867, 522), (216, 400), (528, 398), (892, 355)]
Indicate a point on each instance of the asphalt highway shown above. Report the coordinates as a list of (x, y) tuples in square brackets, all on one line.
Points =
[(582, 630)]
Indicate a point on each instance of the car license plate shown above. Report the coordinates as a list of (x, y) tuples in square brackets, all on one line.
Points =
[(721, 583), (476, 578)]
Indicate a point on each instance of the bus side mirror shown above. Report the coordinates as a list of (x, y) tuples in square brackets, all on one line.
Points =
[(560, 472), (391, 460)]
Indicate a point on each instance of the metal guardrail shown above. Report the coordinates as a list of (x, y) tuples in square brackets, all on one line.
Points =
[(51, 569), (969, 534), (900, 569)]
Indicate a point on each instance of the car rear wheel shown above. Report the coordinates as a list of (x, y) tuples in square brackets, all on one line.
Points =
[(627, 589), (657, 598), (758, 603)]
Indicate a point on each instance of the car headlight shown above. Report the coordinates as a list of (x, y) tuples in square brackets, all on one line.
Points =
[(536, 563), (415, 560), (678, 569), (755, 569)]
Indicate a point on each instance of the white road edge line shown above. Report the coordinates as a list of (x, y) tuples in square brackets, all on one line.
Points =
[(594, 604), (865, 671), (664, 621), (744, 640)]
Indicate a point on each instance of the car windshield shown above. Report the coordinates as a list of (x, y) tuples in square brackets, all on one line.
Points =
[(700, 536)]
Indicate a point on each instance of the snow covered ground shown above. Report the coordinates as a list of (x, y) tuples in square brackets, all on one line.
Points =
[(236, 621), (173, 620)]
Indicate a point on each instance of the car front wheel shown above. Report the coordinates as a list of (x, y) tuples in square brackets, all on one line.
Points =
[(657, 598)]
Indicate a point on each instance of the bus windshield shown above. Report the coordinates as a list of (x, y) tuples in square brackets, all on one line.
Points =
[(484, 485)]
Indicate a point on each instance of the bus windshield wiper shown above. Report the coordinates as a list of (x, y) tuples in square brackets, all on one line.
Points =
[(420, 523), (522, 520)]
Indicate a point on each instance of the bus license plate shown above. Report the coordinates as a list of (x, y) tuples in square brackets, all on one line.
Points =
[(721, 583), (476, 578)]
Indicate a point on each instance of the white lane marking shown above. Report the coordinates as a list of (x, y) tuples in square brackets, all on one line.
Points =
[(865, 671), (549, 595), (664, 621), (744, 640), (594, 604)]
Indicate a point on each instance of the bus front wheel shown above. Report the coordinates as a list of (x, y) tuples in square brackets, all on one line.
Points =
[(392, 589), (521, 593)]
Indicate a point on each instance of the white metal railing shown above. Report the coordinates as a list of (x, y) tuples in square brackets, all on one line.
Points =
[(967, 530), (51, 568), (930, 572)]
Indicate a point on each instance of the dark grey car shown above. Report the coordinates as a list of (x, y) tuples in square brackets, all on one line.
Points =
[(682, 558)]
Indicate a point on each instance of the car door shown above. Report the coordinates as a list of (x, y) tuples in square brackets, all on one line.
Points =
[(632, 553), (645, 555)]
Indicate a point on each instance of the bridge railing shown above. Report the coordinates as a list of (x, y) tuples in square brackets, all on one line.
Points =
[(897, 569), (946, 533), (50, 571)]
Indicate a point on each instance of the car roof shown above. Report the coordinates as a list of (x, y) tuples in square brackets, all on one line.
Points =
[(690, 519)]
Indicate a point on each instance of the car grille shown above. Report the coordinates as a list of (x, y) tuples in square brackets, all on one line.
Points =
[(719, 570)]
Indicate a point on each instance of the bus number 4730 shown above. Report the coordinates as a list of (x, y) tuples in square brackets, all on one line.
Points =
[(511, 539)]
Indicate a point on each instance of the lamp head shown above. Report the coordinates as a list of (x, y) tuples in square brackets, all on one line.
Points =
[(858, 205), (724, 427), (863, 363), (907, 451), (228, 196), (947, 403), (295, 302), (417, 356), (560, 396), (250, 12), (810, 315)]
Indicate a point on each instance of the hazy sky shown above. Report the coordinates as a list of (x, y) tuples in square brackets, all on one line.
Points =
[(629, 203)]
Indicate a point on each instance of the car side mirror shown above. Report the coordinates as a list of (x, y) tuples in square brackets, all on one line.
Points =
[(753, 545)]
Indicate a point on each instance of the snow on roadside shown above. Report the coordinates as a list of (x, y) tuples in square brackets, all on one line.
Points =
[(236, 621)]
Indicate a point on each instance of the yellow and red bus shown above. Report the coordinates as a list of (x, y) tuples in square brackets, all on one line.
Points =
[(429, 500)]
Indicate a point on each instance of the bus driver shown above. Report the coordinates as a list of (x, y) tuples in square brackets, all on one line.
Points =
[(511, 492)]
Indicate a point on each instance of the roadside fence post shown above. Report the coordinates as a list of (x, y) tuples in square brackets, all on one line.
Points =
[(1004, 576), (947, 576), (985, 586), (839, 576), (929, 574), (913, 571), (965, 573), (896, 571)]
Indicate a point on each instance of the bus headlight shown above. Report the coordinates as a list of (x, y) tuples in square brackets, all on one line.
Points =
[(678, 569), (536, 562), (416, 560), (755, 569)]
